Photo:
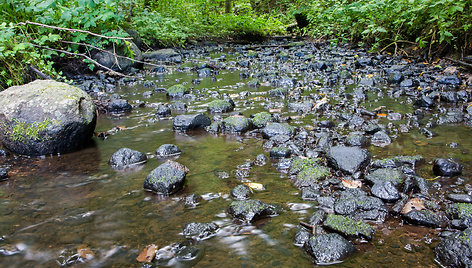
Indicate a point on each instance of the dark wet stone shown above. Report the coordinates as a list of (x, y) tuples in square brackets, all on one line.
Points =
[(320, 66), (317, 218), (119, 106), (278, 92), (460, 198), (348, 227), (356, 203), (455, 250), (3, 174), (357, 140), (167, 54), (423, 217), (284, 163), (167, 178), (273, 129), (449, 96), (167, 150), (398, 161), (177, 91), (250, 210), (395, 77), (163, 111), (372, 128), (125, 158), (409, 83), (221, 106), (241, 192), (280, 139), (348, 159), (192, 200), (328, 248), (261, 160), (300, 107), (261, 119), (326, 202), (186, 122), (214, 127), (421, 185), (381, 175), (397, 208), (447, 167), (385, 191), (298, 164), (461, 212), (310, 176), (280, 152), (200, 231), (236, 124), (381, 139), (310, 193), (326, 124), (451, 80), (301, 236), (424, 101)]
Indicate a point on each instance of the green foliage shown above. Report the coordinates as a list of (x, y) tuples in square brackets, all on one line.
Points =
[(22, 131)]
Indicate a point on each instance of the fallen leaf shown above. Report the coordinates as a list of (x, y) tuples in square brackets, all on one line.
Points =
[(370, 75), (352, 184), (85, 252), (148, 254), (414, 203), (255, 186), (381, 115)]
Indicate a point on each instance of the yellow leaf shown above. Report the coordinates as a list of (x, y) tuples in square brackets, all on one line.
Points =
[(381, 115), (255, 186), (414, 203), (370, 75), (148, 254)]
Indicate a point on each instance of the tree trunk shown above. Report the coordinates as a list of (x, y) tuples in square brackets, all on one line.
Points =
[(228, 6)]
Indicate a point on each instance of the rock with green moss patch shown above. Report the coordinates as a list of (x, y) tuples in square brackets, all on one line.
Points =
[(455, 250), (310, 176), (298, 164), (280, 152), (461, 213), (236, 124), (45, 117), (383, 175), (356, 204), (167, 178), (274, 129), (261, 119), (348, 227), (423, 217), (177, 91), (221, 106), (251, 210), (254, 83)]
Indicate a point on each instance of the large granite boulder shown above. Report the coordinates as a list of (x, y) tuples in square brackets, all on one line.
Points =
[(45, 117)]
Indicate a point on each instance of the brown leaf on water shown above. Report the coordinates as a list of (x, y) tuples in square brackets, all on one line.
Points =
[(352, 184), (85, 252), (414, 203), (148, 254)]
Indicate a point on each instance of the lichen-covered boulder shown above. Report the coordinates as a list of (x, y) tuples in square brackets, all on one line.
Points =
[(45, 117), (167, 150), (221, 106), (236, 124), (274, 129), (261, 119), (177, 91), (167, 178)]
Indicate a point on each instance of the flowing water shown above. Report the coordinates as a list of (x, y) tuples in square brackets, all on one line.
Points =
[(55, 205)]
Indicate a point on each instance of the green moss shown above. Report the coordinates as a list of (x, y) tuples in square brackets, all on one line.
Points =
[(310, 175), (236, 124), (298, 164), (261, 119), (348, 226), (220, 106), (177, 90), (22, 131), (464, 210)]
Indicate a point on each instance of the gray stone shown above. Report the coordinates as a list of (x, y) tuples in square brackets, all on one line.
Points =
[(125, 158), (249, 211), (348, 159), (186, 122), (167, 178), (328, 248), (167, 150), (455, 250)]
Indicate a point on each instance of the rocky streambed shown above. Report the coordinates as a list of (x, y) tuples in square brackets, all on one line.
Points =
[(276, 154)]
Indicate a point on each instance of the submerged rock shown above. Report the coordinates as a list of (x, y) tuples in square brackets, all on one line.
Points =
[(125, 158), (167, 178), (186, 122), (455, 250), (241, 192), (462, 215), (45, 117), (348, 159), (200, 231), (119, 106), (348, 227), (446, 167), (328, 248), (3, 174), (250, 210), (167, 150)]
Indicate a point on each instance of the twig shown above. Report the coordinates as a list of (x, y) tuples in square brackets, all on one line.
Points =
[(396, 44), (73, 30), (38, 72), (465, 64), (84, 56)]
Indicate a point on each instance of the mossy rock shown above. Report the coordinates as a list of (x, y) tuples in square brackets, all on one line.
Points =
[(348, 227), (220, 106), (280, 152), (298, 164), (310, 176), (261, 119), (381, 175), (462, 211), (236, 124), (177, 91)]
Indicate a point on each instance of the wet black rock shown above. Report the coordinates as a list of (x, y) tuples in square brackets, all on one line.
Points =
[(462, 214), (317, 218), (301, 236), (3, 174), (167, 178), (200, 231), (381, 139), (177, 91), (395, 77), (249, 211), (447, 167), (221, 106), (348, 227), (348, 159), (280, 152), (108, 57), (451, 80), (424, 101), (125, 158), (192, 200), (356, 203), (310, 193), (186, 122), (178, 106), (385, 191), (326, 124), (398, 161), (119, 106), (460, 198), (372, 128), (274, 129), (409, 83), (163, 111), (455, 250), (167, 150), (236, 124), (382, 175), (423, 217), (241, 192), (328, 248), (357, 140), (165, 55)]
